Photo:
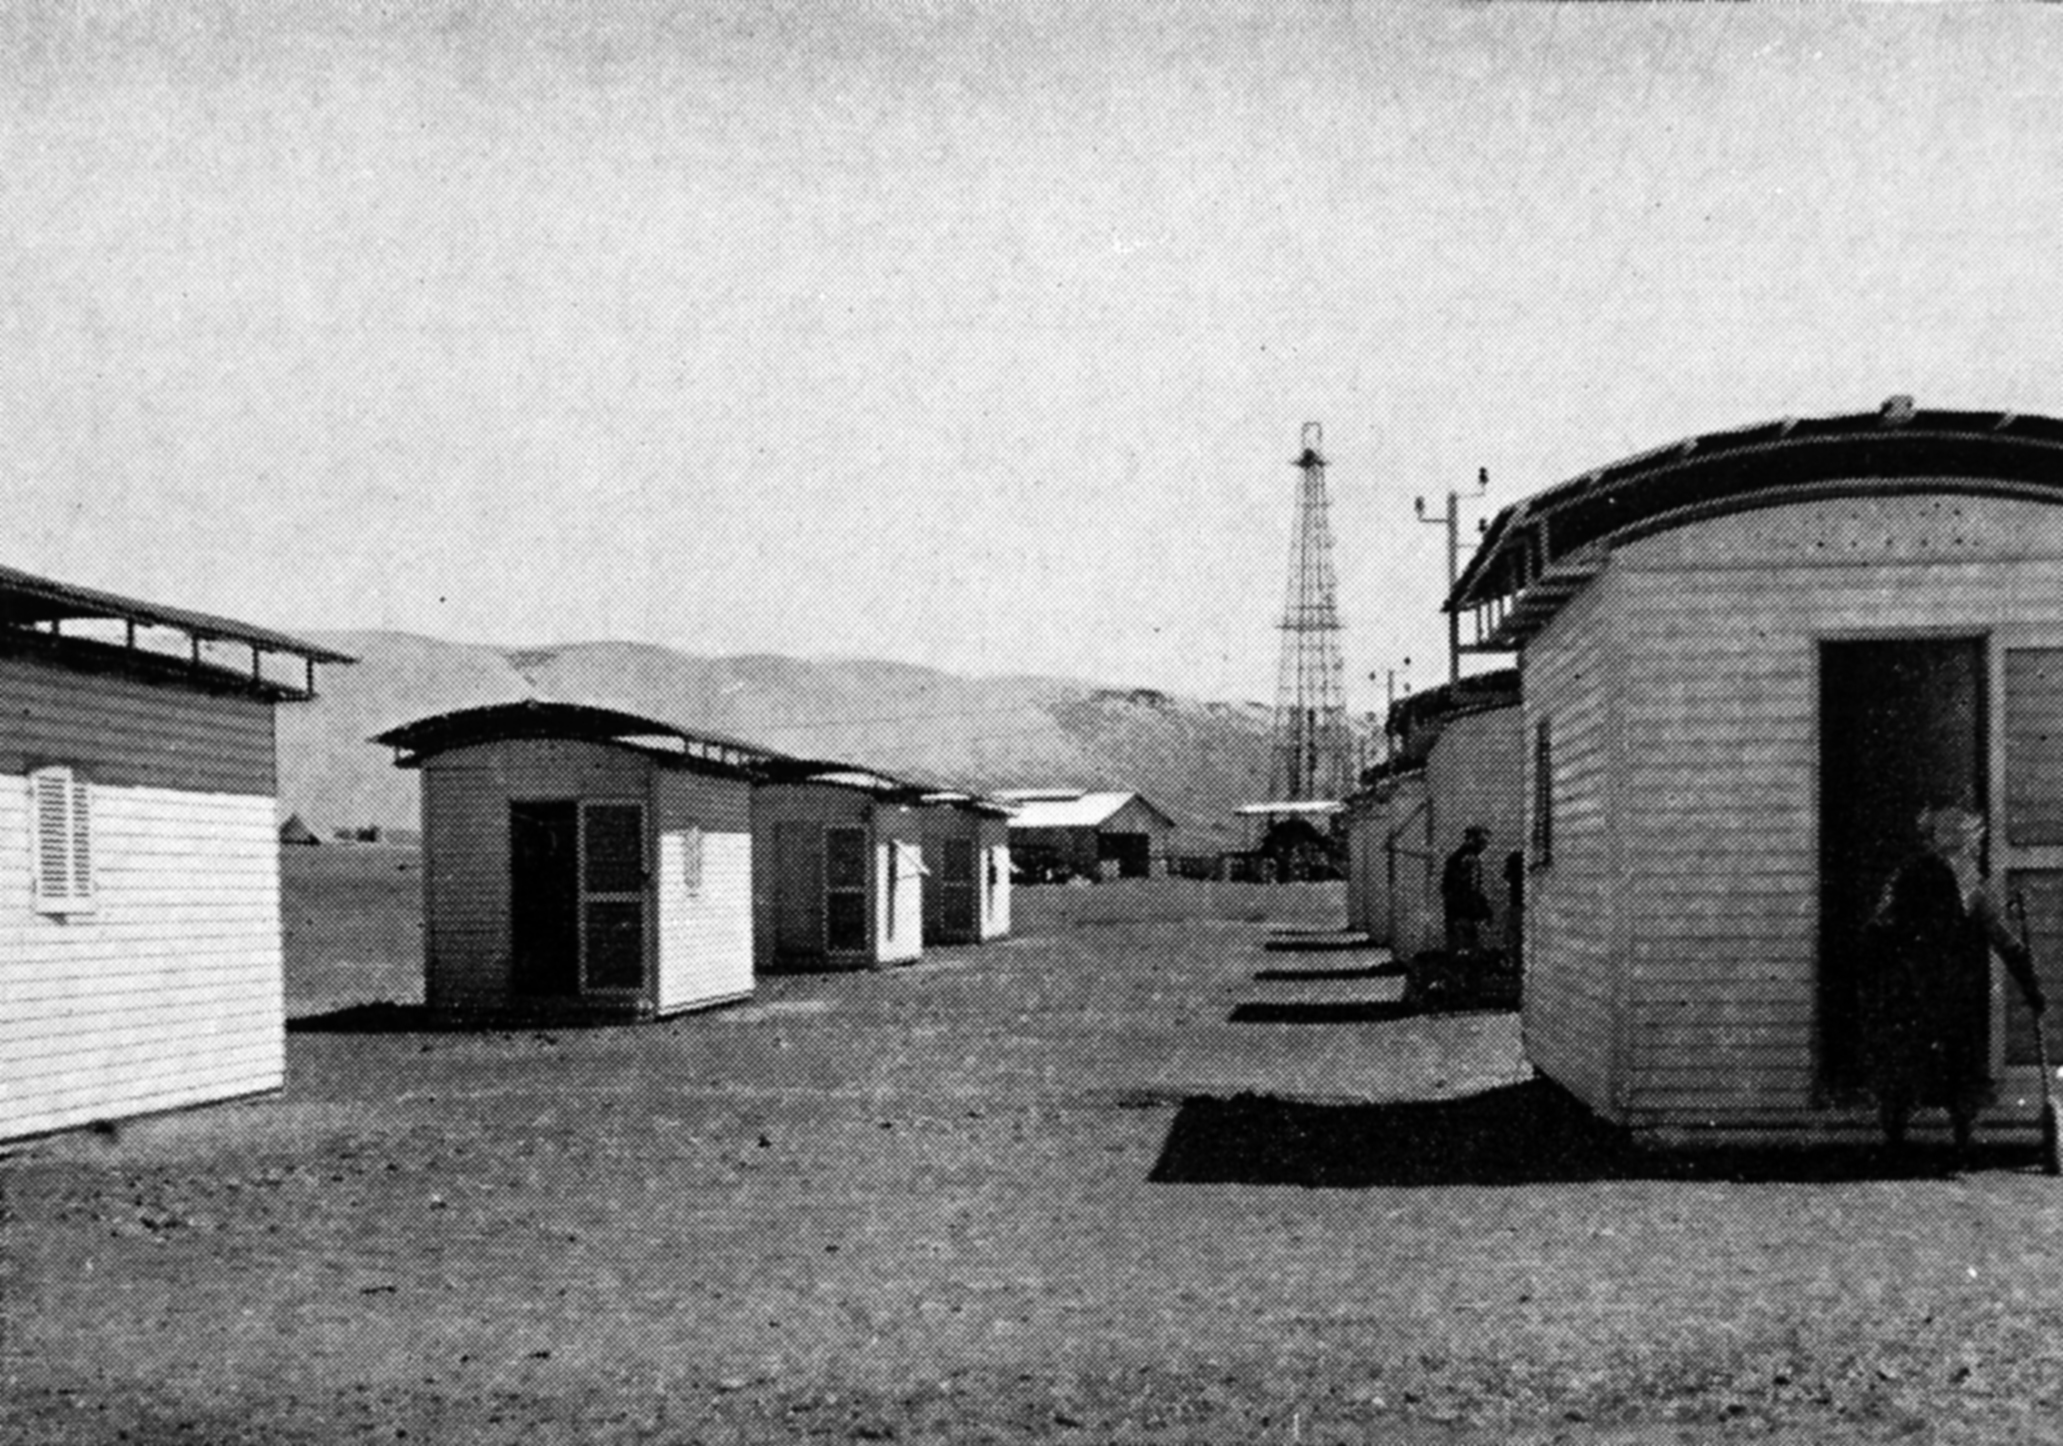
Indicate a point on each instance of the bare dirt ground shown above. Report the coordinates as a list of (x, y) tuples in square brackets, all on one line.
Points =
[(1132, 1176)]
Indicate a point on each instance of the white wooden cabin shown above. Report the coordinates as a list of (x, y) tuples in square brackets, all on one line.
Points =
[(966, 881), (1368, 909), (140, 940), (1409, 882), (1750, 659), (838, 867), (581, 863), (1475, 774), (1459, 761)]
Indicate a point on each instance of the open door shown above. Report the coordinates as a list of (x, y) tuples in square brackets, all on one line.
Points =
[(1902, 728), (544, 899), (612, 895), (798, 891), (2028, 840), (577, 886)]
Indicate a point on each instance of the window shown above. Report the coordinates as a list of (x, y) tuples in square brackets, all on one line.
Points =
[(691, 860), (1543, 795), (61, 853), (845, 890)]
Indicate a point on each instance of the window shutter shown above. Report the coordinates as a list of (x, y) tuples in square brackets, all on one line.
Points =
[(691, 859), (82, 844), (61, 849)]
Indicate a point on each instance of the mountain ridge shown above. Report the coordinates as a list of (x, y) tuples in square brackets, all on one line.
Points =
[(1197, 759)]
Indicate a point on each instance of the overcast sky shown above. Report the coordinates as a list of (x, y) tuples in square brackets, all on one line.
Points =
[(971, 335)]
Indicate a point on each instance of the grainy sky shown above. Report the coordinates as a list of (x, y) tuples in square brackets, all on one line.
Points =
[(972, 335)]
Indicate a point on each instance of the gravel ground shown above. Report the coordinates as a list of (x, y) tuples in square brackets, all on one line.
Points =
[(1072, 1187)]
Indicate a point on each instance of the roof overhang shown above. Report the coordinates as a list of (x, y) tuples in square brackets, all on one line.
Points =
[(1291, 808), (104, 629), (536, 718), (1539, 553)]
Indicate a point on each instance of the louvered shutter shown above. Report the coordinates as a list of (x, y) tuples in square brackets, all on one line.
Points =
[(82, 844), (61, 850)]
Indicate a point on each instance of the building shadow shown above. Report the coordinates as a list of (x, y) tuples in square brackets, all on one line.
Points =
[(376, 1017), (1337, 1011), (1329, 943), (1391, 970), (1523, 1134)]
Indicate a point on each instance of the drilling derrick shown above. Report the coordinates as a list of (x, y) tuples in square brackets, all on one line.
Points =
[(1312, 752)]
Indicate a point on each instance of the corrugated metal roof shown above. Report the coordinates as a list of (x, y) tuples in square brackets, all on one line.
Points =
[(537, 718), (1539, 552), (27, 599), (1088, 810)]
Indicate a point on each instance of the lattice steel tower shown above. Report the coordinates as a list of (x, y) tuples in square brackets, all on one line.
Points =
[(1312, 752)]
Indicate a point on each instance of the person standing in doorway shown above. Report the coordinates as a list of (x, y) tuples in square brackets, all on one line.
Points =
[(1466, 906), (1927, 996)]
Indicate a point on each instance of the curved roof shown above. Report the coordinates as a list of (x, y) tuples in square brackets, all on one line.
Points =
[(34, 611), (536, 718), (1476, 693), (1538, 553)]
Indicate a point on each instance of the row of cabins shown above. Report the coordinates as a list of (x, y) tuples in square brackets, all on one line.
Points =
[(588, 862), (1459, 761), (577, 861), (1746, 661)]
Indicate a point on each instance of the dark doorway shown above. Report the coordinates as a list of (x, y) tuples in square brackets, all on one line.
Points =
[(613, 894), (1131, 852), (845, 890), (798, 891), (544, 898), (1902, 728), (956, 889)]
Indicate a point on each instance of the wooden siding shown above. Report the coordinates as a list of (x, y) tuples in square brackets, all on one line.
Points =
[(465, 819), (1718, 814), (170, 992), (898, 920), (129, 733), (1410, 879), (820, 806), (994, 862), (988, 837), (1136, 817), (1475, 774), (1573, 681), (1368, 892), (705, 931), (2034, 745)]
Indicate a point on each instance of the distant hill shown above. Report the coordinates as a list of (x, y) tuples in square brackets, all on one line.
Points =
[(1197, 759)]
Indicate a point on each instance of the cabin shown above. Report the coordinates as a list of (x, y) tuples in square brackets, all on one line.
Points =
[(1750, 659), (580, 863), (1458, 760), (837, 882), (141, 963), (966, 881), (1362, 815), (1069, 833)]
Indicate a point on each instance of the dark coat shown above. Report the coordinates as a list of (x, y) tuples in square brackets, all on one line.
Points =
[(1461, 886), (1926, 997)]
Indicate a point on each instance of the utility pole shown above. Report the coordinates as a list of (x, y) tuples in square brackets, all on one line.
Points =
[(1452, 522), (1390, 676)]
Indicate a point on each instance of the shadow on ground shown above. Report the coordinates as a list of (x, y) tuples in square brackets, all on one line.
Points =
[(387, 1017), (1293, 941), (1340, 1011), (1293, 976), (1523, 1134)]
